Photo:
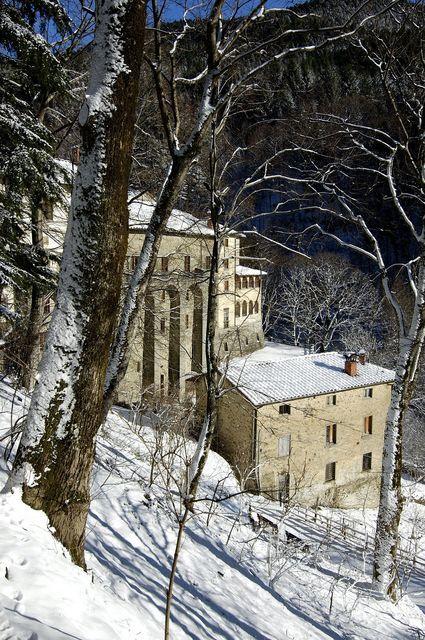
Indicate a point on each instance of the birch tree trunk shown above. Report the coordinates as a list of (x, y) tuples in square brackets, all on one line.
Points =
[(385, 569), (56, 452), (209, 423)]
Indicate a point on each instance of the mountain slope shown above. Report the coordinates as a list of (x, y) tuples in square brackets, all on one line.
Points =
[(222, 588)]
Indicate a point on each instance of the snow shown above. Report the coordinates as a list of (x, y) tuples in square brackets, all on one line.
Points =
[(107, 61), (67, 167), (179, 221), (278, 380), (247, 271), (271, 352), (229, 582)]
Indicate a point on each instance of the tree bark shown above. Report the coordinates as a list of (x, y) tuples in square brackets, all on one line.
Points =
[(31, 352), (141, 277), (385, 568), (210, 419), (55, 457)]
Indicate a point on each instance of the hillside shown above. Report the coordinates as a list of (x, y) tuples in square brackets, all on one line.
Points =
[(232, 582)]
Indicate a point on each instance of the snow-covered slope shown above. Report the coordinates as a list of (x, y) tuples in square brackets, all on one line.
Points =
[(231, 582)]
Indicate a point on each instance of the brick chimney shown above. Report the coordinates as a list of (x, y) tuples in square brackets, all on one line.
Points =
[(350, 364), (362, 356)]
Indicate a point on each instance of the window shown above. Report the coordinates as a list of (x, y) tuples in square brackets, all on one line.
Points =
[(47, 208), (246, 340), (367, 461), (368, 425), (258, 337), (131, 262), (330, 471), (226, 346), (187, 263), (138, 366), (208, 262), (162, 384), (47, 306), (162, 325), (226, 263), (368, 393), (226, 242), (226, 285), (284, 446), (244, 282), (285, 409), (187, 321), (226, 318), (163, 295), (256, 307), (251, 282), (331, 434), (238, 310), (244, 308), (238, 282), (283, 487), (331, 400), (257, 282), (164, 263), (251, 307)]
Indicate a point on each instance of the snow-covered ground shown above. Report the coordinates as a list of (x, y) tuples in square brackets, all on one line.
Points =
[(232, 582)]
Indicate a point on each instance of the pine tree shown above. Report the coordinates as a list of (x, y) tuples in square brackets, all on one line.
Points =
[(29, 176)]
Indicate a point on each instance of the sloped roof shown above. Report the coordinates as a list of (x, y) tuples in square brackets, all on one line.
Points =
[(247, 271), (179, 221), (266, 382)]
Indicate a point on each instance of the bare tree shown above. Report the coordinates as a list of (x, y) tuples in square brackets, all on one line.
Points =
[(322, 303), (392, 156), (228, 63), (56, 452)]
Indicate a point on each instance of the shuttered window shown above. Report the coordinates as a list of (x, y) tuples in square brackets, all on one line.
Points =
[(331, 434), (284, 446), (330, 471)]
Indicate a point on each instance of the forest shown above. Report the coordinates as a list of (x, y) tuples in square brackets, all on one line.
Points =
[(212, 221)]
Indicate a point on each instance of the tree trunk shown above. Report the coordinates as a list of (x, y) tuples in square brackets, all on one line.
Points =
[(56, 452), (385, 569), (210, 419), (141, 277), (31, 352), (205, 439)]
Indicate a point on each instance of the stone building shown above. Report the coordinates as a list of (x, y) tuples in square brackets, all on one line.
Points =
[(170, 342), (306, 428)]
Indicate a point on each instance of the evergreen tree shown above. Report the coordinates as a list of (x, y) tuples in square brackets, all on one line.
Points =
[(29, 176)]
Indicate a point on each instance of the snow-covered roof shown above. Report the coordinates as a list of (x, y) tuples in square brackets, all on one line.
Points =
[(247, 271), (266, 382), (179, 221), (271, 352)]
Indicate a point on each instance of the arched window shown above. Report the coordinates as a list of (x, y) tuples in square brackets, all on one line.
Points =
[(238, 282), (244, 282), (257, 281), (251, 307), (238, 309), (251, 282), (256, 307), (244, 308)]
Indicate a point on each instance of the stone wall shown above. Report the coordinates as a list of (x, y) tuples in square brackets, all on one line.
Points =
[(309, 451)]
